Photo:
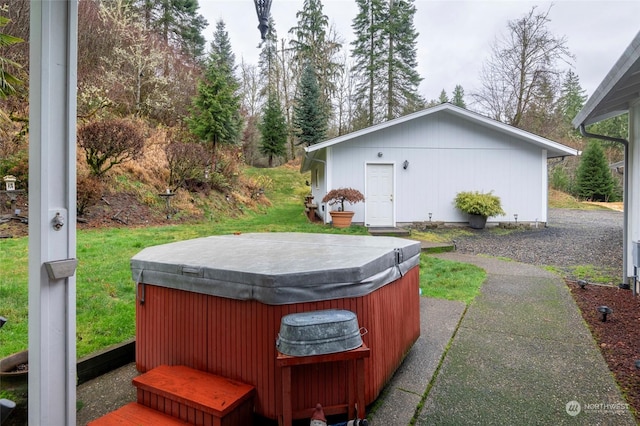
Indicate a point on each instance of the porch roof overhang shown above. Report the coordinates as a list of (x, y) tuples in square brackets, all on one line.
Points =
[(554, 149), (618, 90)]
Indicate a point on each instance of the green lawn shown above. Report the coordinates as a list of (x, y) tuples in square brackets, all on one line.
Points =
[(105, 291)]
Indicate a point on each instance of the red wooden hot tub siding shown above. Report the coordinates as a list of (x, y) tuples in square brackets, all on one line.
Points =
[(236, 339)]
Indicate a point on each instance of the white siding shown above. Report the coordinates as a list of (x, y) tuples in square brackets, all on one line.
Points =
[(446, 155), (318, 181)]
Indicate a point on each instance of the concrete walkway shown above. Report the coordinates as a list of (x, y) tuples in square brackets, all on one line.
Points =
[(402, 396), (521, 355)]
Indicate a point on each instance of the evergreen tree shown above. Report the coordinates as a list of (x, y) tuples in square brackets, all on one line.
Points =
[(593, 178), (403, 78), (221, 55), (308, 115), (273, 129), (572, 96), (384, 53), (458, 97), (368, 53), (215, 116), (432, 103), (443, 99), (310, 33), (314, 44), (177, 21), (617, 127), (571, 101), (223, 58), (8, 81), (268, 59), (215, 109), (542, 117)]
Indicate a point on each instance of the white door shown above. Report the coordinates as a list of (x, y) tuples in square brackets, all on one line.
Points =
[(379, 196)]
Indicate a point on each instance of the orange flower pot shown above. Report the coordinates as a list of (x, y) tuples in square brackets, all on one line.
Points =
[(341, 219)]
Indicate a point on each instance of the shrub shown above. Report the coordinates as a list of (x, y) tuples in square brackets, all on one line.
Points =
[(256, 186), (89, 192), (16, 165), (109, 142), (220, 182), (560, 180), (483, 204), (186, 163)]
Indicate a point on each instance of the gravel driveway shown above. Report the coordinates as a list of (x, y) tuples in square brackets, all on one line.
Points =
[(572, 238)]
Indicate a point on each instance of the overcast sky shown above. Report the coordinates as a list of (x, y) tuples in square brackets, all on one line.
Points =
[(456, 36)]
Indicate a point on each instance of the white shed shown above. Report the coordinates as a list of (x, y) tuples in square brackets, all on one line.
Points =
[(411, 168)]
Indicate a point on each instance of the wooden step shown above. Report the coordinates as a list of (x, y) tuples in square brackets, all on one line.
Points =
[(136, 414), (195, 396)]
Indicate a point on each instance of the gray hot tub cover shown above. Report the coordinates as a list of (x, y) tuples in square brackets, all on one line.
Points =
[(278, 268)]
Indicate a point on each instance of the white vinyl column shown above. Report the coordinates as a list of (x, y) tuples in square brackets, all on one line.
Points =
[(52, 212), (632, 191)]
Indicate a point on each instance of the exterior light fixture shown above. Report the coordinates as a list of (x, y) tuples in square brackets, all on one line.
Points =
[(515, 216), (604, 310), (380, 154), (405, 165), (430, 214), (262, 9)]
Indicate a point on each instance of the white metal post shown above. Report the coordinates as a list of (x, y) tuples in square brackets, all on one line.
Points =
[(52, 212), (632, 194)]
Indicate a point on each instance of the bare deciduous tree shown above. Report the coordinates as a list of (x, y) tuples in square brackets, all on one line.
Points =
[(523, 69), (343, 100), (251, 83)]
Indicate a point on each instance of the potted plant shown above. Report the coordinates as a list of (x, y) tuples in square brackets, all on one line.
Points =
[(341, 218), (479, 206)]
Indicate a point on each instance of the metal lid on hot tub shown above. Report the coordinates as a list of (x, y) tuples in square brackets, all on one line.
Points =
[(278, 268)]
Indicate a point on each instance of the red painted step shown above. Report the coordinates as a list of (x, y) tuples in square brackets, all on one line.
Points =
[(196, 396), (138, 415)]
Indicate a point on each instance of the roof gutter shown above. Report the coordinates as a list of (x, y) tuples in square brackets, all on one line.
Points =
[(584, 133), (625, 200)]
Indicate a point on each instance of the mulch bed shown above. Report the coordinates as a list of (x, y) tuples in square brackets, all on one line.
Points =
[(618, 337)]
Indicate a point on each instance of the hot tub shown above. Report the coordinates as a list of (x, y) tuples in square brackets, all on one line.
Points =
[(216, 304)]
